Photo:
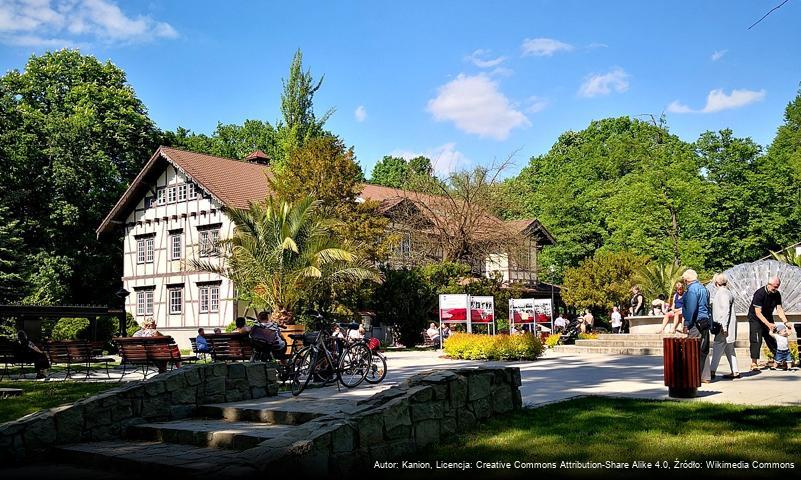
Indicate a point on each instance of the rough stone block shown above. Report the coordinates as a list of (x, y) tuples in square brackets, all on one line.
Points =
[(426, 433), (236, 371), (181, 411), (502, 400), (457, 392), (448, 426), (421, 394), (193, 376), (185, 395), (272, 389), (426, 411), (257, 375), (482, 408), (396, 412), (175, 381), (343, 439), (258, 392), (272, 374), (465, 420), (398, 432), (155, 387), (214, 387), (40, 432), (371, 428), (478, 386), (156, 407), (122, 411), (517, 399)]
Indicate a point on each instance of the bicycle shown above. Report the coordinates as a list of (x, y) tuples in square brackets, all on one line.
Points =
[(329, 360), (378, 363)]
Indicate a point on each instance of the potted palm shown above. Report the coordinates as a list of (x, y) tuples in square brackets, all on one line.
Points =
[(280, 251)]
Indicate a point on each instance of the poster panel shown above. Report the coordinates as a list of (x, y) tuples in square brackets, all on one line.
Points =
[(453, 308), (482, 309)]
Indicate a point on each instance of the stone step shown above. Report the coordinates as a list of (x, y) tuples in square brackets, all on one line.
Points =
[(633, 343), (279, 410), (656, 351), (208, 433), (164, 460)]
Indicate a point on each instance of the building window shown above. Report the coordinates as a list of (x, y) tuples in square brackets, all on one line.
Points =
[(208, 242), (209, 299), (161, 199), (405, 246), (181, 192), (144, 302), (149, 202), (144, 250), (176, 246), (176, 300), (171, 195), (191, 192)]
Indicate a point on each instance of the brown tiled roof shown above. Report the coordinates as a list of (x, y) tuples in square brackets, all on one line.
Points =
[(237, 183)]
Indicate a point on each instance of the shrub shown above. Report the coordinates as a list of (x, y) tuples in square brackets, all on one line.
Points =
[(588, 336), (552, 340), (793, 352), (470, 346), (406, 301), (71, 329)]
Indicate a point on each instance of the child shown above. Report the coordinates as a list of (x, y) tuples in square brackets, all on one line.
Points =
[(781, 334)]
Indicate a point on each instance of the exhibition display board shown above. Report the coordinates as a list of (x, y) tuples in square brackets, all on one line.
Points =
[(530, 312), (468, 310)]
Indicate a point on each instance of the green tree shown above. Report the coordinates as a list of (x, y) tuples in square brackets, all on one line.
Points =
[(397, 172), (12, 271), (73, 136), (601, 281), (656, 278), (280, 251)]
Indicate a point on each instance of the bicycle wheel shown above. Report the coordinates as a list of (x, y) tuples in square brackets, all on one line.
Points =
[(303, 370), (377, 370), (353, 365)]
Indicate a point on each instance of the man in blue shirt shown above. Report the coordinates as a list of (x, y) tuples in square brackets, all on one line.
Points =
[(697, 317)]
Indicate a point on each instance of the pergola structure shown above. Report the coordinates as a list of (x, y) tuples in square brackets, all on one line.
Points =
[(25, 313)]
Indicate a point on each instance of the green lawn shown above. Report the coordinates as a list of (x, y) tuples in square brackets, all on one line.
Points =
[(601, 429), (40, 395)]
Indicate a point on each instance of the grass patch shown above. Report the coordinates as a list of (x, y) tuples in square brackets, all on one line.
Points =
[(622, 430), (41, 395)]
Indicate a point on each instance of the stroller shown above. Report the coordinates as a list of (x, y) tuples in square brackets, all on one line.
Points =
[(571, 332)]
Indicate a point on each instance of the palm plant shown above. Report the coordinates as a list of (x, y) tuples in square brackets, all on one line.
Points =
[(788, 255), (655, 278), (280, 252)]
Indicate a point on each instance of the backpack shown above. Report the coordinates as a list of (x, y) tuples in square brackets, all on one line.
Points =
[(267, 336)]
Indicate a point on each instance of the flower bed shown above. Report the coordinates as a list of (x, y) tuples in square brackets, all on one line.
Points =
[(468, 346)]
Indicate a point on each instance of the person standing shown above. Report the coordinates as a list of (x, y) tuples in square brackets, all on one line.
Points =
[(617, 320), (697, 318), (723, 314), (760, 319), (637, 302)]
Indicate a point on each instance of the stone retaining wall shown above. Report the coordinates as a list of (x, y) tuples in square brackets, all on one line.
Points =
[(425, 409), (172, 395)]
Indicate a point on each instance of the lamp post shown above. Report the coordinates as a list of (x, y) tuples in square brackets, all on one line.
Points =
[(122, 294)]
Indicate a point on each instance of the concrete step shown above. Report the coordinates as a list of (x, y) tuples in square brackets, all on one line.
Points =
[(280, 410), (208, 433), (163, 460), (633, 343), (601, 350)]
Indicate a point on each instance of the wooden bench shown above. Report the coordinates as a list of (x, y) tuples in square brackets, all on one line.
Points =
[(10, 357), (229, 346), (75, 352), (146, 352)]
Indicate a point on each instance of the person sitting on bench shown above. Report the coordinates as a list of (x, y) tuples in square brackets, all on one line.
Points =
[(27, 351)]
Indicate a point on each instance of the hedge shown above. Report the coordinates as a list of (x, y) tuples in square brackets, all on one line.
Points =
[(469, 346)]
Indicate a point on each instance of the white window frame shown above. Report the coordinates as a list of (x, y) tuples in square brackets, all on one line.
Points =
[(176, 300), (207, 242), (176, 246), (144, 303), (140, 251), (181, 192), (150, 243), (191, 191), (209, 299), (161, 196), (170, 194)]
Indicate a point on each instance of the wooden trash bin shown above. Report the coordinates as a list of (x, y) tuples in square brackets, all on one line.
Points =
[(291, 329), (682, 366)]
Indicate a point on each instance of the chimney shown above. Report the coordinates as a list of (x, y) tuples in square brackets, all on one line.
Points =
[(258, 157)]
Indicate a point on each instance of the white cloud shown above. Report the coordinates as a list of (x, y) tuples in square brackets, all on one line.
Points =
[(537, 104), (544, 47), (597, 45), (445, 159), (717, 101), (360, 113), (476, 106), (604, 84), (47, 22), (718, 54), (478, 58)]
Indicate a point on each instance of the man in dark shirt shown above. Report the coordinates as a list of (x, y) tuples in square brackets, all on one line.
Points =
[(760, 319)]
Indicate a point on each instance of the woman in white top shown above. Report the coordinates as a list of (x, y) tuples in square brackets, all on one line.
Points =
[(617, 320), (723, 313)]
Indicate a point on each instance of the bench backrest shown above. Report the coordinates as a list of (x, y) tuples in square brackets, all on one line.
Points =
[(230, 346), (69, 351), (147, 349)]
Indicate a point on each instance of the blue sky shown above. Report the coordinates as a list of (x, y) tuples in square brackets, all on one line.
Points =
[(464, 82)]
